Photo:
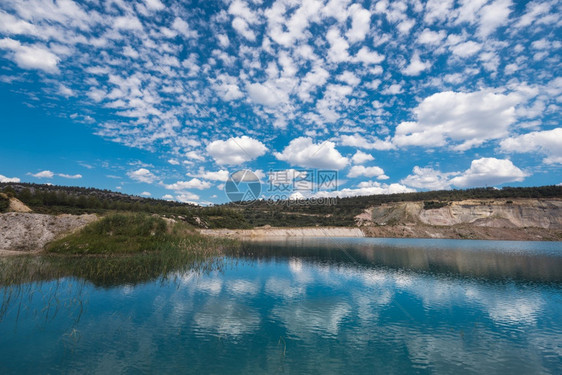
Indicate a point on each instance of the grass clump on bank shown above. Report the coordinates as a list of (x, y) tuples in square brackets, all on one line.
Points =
[(128, 233)]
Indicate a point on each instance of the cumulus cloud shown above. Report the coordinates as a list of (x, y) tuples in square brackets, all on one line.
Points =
[(489, 171), (70, 176), (466, 49), (461, 120), (360, 170), (44, 174), (242, 27), (267, 94), (304, 153), (428, 178), (365, 188), (548, 142), (373, 143), (194, 183), (8, 179), (493, 16), (360, 23), (146, 194), (416, 66), (142, 175), (236, 150), (187, 197), (428, 36), (361, 157), (482, 172), (221, 175), (30, 56)]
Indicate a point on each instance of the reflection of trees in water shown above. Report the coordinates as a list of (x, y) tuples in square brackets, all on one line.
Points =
[(486, 264), (59, 281)]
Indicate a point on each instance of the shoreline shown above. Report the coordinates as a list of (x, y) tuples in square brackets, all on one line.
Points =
[(463, 231)]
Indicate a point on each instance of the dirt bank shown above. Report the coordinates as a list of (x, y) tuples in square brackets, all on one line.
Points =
[(516, 219), (27, 232)]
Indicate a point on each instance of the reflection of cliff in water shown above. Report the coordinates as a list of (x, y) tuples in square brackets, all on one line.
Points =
[(481, 262)]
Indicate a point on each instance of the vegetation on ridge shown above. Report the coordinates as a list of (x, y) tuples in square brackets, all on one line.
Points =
[(128, 233), (329, 212)]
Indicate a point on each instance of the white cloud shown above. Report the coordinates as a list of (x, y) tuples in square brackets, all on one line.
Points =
[(227, 87), (221, 175), (30, 57), (182, 27), (241, 9), (194, 183), (236, 150), (466, 49), (13, 25), (146, 194), (65, 91), (548, 142), (437, 10), (154, 4), (492, 16), (142, 175), (187, 197), (489, 171), (431, 37), (428, 178), (338, 46), (360, 23), (242, 27), (173, 161), (349, 78), (304, 153), (360, 157), (416, 66), (405, 26), (43, 174), (8, 179), (367, 57), (70, 176), (365, 188), (483, 171), (360, 170), (393, 89), (464, 120), (167, 196), (267, 94), (357, 140), (128, 22), (193, 155)]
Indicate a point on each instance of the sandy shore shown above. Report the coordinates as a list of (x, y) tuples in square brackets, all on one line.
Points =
[(285, 232)]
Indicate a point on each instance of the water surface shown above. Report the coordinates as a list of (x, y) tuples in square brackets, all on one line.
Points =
[(316, 306)]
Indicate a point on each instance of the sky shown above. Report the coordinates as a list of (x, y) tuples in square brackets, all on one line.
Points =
[(165, 98)]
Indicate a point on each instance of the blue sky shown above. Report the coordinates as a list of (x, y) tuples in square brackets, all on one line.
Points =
[(166, 98)]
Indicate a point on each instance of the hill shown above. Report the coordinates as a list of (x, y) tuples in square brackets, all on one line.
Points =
[(51, 199)]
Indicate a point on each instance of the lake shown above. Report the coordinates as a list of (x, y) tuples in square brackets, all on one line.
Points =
[(300, 306)]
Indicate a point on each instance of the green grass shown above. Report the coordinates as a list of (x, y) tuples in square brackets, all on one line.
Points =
[(121, 248), (127, 233), (4, 202)]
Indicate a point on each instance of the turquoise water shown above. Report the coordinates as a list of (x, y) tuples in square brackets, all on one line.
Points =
[(326, 306)]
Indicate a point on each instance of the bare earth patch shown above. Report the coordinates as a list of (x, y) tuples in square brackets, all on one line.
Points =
[(27, 232)]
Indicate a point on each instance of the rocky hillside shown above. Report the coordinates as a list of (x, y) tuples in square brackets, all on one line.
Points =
[(31, 232), (512, 219)]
